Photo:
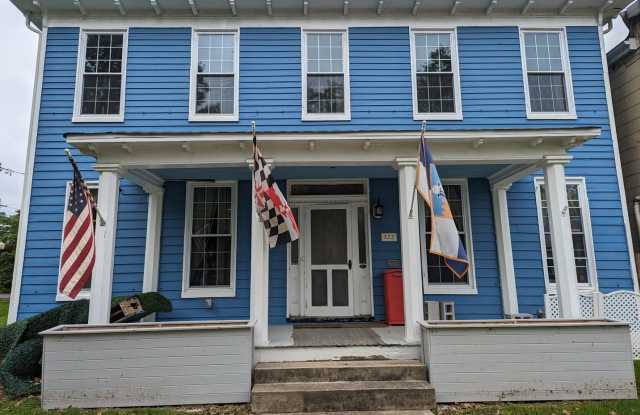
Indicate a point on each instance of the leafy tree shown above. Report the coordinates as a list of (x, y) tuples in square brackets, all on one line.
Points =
[(8, 238)]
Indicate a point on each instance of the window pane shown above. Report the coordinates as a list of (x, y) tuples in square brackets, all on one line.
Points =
[(577, 234), (325, 93), (309, 189), (340, 287), (547, 93), (328, 236), (437, 270), (215, 94), (362, 238), (435, 93), (319, 288), (216, 53), (295, 245), (101, 94), (542, 51), (211, 237), (324, 52)]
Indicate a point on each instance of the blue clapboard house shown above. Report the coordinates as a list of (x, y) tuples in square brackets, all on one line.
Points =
[(155, 99)]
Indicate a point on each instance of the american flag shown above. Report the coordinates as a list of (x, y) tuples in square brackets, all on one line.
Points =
[(272, 207), (78, 248)]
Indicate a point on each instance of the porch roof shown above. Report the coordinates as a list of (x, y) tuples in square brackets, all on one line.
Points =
[(311, 8), (517, 152)]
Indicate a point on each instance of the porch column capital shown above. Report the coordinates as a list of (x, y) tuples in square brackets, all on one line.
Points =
[(405, 161), (109, 167), (549, 160)]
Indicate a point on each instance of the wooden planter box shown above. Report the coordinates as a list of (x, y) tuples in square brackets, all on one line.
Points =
[(147, 364), (528, 360)]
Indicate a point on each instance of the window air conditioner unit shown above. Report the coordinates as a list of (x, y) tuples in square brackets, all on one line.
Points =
[(439, 310)]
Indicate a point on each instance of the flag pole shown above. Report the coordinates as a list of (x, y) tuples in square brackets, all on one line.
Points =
[(413, 196), (75, 166)]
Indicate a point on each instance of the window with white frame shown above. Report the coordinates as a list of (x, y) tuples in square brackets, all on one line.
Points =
[(436, 80), (100, 82), (210, 240), (214, 76), (325, 74), (548, 83), (580, 232), (438, 278), (85, 292)]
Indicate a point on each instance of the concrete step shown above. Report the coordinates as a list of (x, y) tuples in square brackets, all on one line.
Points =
[(337, 371), (305, 397)]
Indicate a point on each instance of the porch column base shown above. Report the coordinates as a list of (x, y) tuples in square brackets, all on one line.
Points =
[(561, 242), (410, 244), (105, 244)]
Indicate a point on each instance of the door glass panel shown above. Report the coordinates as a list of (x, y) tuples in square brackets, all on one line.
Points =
[(318, 287), (329, 237), (295, 245), (362, 239), (340, 287)]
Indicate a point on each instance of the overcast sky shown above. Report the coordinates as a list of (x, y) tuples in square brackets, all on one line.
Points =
[(18, 49)]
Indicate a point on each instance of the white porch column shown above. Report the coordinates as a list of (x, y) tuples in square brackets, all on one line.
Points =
[(101, 283), (505, 251), (152, 245), (410, 244), (561, 242), (259, 307)]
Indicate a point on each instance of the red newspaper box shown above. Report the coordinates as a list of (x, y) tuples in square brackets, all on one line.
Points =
[(393, 297)]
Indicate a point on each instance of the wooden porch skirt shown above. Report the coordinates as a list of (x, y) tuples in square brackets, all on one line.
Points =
[(528, 360), (147, 364)]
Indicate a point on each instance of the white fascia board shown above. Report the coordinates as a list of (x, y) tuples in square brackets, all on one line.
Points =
[(28, 179)]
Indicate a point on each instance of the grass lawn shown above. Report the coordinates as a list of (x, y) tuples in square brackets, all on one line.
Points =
[(31, 406)]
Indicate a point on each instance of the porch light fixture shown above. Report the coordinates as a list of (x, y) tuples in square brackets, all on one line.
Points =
[(377, 211)]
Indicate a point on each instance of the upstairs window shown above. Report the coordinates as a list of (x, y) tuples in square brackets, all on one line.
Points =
[(325, 74), (580, 233), (100, 79), (436, 81), (214, 77), (548, 89)]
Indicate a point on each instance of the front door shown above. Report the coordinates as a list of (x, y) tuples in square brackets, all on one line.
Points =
[(328, 271)]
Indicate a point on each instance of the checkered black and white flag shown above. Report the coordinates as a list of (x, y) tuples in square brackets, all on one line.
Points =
[(272, 207)]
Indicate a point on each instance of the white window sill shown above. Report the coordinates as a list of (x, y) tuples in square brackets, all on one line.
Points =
[(213, 118), (98, 118), (551, 116), (326, 117), (222, 292), (450, 289), (82, 295), (440, 116)]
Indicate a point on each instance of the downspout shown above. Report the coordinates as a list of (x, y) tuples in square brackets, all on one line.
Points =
[(35, 30)]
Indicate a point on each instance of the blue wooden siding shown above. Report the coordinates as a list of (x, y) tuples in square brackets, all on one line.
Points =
[(270, 80), (172, 240)]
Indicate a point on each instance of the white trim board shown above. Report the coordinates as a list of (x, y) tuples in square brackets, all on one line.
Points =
[(616, 156), (28, 178), (432, 21)]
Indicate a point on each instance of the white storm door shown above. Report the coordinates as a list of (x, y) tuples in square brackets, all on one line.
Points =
[(329, 281)]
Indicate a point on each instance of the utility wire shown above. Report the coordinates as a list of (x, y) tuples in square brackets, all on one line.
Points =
[(8, 171)]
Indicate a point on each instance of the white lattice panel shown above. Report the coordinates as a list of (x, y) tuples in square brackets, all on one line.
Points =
[(624, 306), (552, 308), (617, 306)]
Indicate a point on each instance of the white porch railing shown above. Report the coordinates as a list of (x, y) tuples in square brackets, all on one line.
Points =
[(617, 306)]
